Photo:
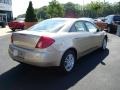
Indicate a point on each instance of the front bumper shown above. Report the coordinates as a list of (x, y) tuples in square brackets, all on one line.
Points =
[(33, 57)]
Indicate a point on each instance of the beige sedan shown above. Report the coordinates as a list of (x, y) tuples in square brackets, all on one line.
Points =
[(56, 42)]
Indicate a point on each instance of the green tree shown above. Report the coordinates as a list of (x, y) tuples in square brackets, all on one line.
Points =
[(93, 10), (69, 7), (42, 13), (74, 9), (108, 9), (55, 9), (95, 6), (30, 14), (117, 8)]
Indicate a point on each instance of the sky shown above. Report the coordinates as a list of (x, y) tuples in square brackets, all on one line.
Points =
[(20, 6)]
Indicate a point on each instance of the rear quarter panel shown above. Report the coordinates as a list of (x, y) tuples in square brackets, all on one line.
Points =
[(66, 41)]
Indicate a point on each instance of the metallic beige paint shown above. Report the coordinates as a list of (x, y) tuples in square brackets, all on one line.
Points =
[(24, 43)]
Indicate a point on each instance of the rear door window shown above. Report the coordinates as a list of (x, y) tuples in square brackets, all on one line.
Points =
[(91, 27), (78, 27), (49, 25)]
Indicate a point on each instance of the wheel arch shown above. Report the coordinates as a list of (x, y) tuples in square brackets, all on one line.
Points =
[(72, 49), (62, 67)]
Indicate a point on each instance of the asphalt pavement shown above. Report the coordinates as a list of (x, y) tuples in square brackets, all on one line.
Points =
[(5, 31), (96, 71)]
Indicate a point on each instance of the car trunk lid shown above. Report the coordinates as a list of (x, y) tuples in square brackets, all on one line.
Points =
[(27, 39)]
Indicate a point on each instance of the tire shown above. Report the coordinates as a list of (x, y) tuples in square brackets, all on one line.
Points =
[(3, 26), (104, 44), (68, 61), (22, 28), (13, 30), (109, 30), (110, 26)]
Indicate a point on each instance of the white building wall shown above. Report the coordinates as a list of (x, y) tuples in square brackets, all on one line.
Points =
[(6, 5)]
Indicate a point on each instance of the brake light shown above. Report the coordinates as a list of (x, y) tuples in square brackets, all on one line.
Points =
[(12, 38), (44, 42)]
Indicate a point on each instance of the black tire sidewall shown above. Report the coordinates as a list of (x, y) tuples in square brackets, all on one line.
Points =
[(13, 30), (63, 59)]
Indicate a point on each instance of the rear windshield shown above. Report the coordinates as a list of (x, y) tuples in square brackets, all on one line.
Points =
[(49, 25), (20, 19), (116, 18)]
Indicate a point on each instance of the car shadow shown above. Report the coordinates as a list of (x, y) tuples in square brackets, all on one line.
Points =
[(10, 31), (14, 31), (24, 77)]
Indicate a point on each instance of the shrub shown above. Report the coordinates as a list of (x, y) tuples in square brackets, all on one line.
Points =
[(30, 14)]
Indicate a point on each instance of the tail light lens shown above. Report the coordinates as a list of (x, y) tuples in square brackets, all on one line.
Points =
[(12, 38), (44, 42)]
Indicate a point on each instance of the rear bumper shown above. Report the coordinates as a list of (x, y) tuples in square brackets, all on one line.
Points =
[(16, 27), (33, 57), (2, 24)]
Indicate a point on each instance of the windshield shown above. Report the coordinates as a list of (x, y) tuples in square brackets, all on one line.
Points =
[(116, 18), (49, 25), (20, 19)]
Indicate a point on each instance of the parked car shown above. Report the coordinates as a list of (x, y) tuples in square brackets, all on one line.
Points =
[(17, 24), (102, 25), (100, 19), (2, 24), (112, 21), (56, 42)]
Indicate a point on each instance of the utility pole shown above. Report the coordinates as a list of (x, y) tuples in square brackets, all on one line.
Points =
[(104, 1), (83, 8), (104, 7)]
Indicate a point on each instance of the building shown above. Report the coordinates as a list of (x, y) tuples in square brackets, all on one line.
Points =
[(5, 11)]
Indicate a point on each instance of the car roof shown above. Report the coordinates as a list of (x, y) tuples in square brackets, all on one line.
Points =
[(64, 18), (76, 19), (113, 15), (87, 19)]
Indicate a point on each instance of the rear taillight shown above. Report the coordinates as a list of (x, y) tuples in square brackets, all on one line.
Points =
[(44, 42), (12, 38)]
